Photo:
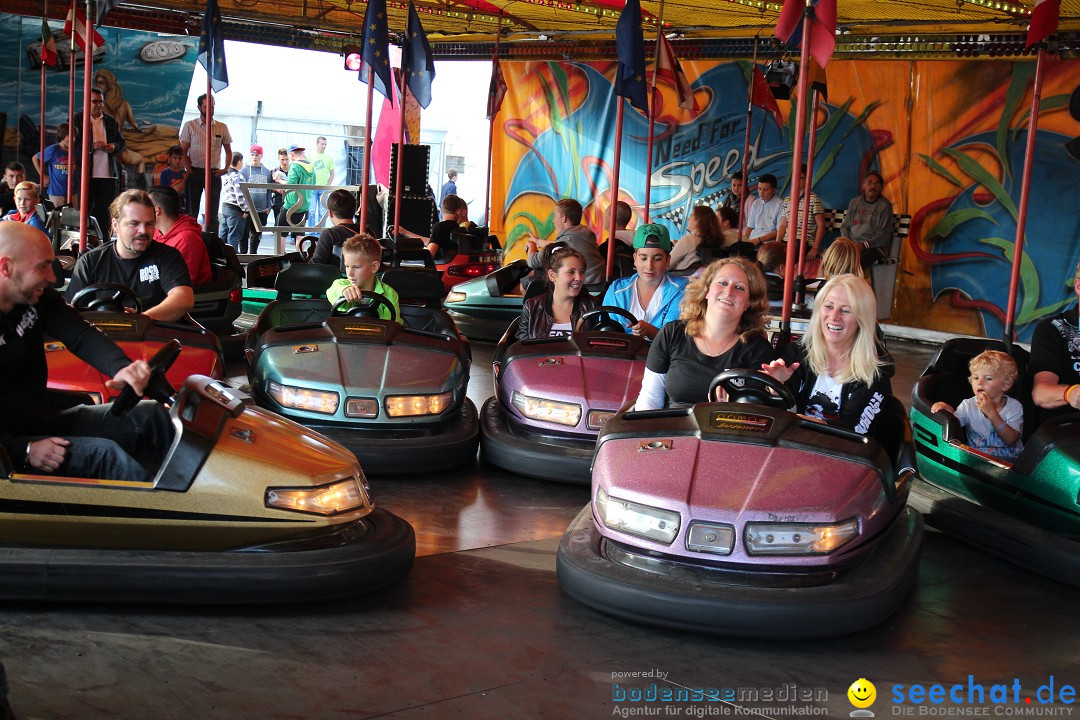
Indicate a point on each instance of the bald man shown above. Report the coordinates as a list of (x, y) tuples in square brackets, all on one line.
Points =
[(85, 441)]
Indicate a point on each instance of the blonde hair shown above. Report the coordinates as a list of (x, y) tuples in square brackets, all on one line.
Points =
[(842, 257), (864, 365), (28, 185), (694, 303), (998, 362)]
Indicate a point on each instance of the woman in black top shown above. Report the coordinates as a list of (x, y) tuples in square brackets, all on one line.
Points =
[(721, 326)]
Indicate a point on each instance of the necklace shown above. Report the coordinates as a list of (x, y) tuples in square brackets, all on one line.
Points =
[(724, 346)]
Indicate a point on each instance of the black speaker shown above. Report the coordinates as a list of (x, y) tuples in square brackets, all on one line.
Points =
[(417, 159), (416, 214), (781, 78)]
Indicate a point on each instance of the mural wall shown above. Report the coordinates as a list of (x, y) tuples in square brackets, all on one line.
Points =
[(947, 136), (144, 76)]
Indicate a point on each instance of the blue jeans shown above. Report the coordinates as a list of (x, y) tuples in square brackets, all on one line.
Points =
[(315, 209), (108, 446), (233, 226)]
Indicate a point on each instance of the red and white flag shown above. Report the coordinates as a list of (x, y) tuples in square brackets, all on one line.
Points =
[(76, 22), (669, 70), (1044, 20)]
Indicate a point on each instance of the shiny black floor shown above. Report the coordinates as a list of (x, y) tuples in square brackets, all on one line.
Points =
[(480, 629)]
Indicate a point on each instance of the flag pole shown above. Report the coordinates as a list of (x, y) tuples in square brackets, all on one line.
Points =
[(41, 125), (491, 136), (609, 273), (72, 161), (796, 169), (746, 142), (400, 151), (800, 280), (1025, 187), (207, 140), (87, 132), (652, 115), (364, 190)]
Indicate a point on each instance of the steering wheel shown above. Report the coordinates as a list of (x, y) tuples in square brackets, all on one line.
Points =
[(370, 309), (600, 320), (753, 387), (302, 246), (106, 297), (157, 388)]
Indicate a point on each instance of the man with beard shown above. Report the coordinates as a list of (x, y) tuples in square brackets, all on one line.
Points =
[(869, 220), (106, 146), (85, 441), (154, 271)]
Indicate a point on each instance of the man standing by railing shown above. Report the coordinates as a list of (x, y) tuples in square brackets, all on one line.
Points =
[(193, 141)]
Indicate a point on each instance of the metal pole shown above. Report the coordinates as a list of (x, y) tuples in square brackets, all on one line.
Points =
[(746, 143), (491, 133), (72, 163), (800, 281), (1025, 187), (367, 149), (796, 170), (614, 188), (41, 125), (87, 132), (652, 115), (400, 152), (207, 140)]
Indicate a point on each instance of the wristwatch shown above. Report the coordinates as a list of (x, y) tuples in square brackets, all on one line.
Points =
[(26, 461)]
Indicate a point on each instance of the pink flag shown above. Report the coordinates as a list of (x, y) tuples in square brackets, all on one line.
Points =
[(1044, 20), (386, 135)]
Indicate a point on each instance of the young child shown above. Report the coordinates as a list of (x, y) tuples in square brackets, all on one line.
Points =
[(175, 174), (993, 421), (361, 255)]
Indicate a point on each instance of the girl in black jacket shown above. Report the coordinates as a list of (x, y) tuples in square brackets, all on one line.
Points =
[(557, 311)]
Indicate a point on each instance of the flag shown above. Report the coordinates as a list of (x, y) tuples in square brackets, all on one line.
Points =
[(762, 96), (104, 8), (75, 26), (496, 89), (822, 15), (48, 45), (630, 44), (376, 55), (212, 48), (815, 78), (669, 69), (1044, 20), (417, 60)]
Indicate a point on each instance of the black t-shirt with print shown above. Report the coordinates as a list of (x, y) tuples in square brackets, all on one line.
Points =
[(151, 275)]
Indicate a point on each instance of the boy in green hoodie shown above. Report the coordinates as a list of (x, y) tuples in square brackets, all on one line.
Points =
[(301, 172)]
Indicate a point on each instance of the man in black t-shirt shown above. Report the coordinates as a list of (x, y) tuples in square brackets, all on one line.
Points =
[(1055, 361), (156, 272), (342, 207), (455, 218), (84, 441)]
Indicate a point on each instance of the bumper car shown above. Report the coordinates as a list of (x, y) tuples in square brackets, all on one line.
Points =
[(483, 307), (1027, 512), (140, 337), (478, 255), (393, 393), (247, 507), (745, 519), (218, 303), (552, 396)]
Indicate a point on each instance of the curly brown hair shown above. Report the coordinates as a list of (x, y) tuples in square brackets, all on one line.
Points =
[(694, 303)]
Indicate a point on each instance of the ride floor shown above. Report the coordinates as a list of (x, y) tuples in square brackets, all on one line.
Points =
[(480, 629)]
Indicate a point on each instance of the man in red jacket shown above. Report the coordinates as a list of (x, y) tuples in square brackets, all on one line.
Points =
[(181, 232)]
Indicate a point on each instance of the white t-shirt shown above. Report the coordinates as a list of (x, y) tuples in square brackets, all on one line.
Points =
[(646, 314), (981, 434), (560, 330), (824, 402)]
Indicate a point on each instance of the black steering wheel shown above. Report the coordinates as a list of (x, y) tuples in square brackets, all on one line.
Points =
[(753, 387), (157, 388), (369, 309), (306, 246), (106, 297), (600, 320)]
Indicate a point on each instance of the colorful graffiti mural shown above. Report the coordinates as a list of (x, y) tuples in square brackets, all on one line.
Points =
[(947, 136)]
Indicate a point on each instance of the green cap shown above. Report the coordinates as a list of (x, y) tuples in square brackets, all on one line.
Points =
[(652, 235)]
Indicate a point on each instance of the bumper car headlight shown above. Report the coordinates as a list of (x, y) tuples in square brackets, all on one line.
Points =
[(799, 538), (547, 410), (412, 405), (455, 296), (299, 398), (637, 519), (597, 418), (333, 499)]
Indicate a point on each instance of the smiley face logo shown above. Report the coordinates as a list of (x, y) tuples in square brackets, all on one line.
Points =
[(862, 693)]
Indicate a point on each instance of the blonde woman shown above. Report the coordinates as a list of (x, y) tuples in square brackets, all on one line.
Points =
[(721, 326), (842, 258), (838, 371)]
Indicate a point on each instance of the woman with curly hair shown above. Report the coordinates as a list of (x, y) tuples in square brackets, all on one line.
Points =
[(721, 326), (838, 371)]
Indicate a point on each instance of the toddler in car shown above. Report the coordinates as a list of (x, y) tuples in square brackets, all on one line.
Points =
[(993, 421)]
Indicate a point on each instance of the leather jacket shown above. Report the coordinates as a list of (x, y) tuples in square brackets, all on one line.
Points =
[(537, 319)]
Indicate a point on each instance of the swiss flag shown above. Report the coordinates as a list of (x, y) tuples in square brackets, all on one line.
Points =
[(1044, 20), (76, 23)]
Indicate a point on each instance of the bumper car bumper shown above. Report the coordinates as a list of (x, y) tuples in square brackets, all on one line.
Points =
[(567, 461), (483, 325), (1047, 553), (390, 453), (684, 601), (362, 556)]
